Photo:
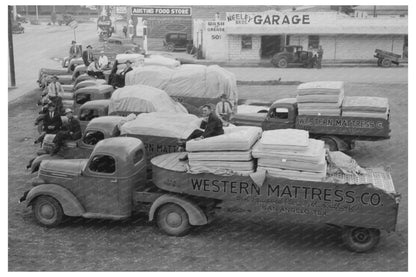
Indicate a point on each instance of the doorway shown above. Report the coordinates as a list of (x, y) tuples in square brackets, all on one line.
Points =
[(270, 45)]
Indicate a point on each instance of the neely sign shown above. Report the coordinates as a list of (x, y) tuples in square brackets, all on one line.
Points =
[(275, 18), (161, 11)]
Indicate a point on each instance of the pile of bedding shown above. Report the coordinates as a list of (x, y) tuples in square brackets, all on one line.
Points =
[(320, 98), (363, 106), (230, 151), (290, 153)]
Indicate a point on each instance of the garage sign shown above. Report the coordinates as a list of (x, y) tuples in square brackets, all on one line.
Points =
[(274, 18)]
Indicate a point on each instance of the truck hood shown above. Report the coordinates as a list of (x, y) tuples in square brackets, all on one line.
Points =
[(61, 168)]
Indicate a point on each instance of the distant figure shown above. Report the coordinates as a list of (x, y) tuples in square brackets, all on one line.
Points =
[(319, 59), (94, 70), (74, 52), (224, 109), (87, 56), (103, 61), (125, 31)]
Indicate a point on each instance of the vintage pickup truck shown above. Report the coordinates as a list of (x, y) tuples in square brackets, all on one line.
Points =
[(338, 132), (112, 183)]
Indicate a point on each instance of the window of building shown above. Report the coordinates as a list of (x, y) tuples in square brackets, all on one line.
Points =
[(313, 42), (246, 42), (103, 164), (93, 137)]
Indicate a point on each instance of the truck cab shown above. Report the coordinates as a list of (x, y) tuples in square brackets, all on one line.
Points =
[(92, 109), (114, 170), (86, 94)]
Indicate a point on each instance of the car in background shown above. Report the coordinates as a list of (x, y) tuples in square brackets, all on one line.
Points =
[(291, 55), (177, 41)]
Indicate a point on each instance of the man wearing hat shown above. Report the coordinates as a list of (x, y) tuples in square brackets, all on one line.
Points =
[(103, 61), (87, 56), (71, 130), (224, 108), (119, 80), (74, 52), (52, 122), (54, 93)]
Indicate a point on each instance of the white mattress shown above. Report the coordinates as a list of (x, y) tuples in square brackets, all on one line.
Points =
[(134, 58), (284, 139), (315, 106), (293, 164), (221, 156), (294, 174), (366, 114), (234, 139), (365, 104), (317, 98), (314, 152), (235, 166), (321, 87), (162, 125)]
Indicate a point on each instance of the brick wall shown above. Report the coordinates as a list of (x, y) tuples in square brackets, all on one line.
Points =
[(235, 51)]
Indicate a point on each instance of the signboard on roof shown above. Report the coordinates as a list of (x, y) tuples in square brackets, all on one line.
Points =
[(161, 11), (121, 9)]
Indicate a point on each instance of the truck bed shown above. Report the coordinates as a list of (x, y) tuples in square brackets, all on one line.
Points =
[(368, 200)]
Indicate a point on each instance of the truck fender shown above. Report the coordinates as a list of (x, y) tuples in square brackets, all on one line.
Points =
[(195, 214), (68, 201), (35, 164), (340, 143)]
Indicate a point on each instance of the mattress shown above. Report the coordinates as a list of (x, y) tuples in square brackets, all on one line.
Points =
[(220, 156), (232, 165), (313, 154), (122, 58), (314, 106), (322, 112), (295, 174), (366, 114), (293, 164), (284, 139), (321, 87), (365, 104), (316, 98), (234, 138)]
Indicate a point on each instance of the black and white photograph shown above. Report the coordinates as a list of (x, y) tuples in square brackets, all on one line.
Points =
[(211, 137)]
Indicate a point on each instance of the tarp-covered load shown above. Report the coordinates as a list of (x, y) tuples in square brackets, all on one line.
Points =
[(162, 125), (320, 98), (159, 60), (363, 106), (194, 81), (89, 83), (143, 99)]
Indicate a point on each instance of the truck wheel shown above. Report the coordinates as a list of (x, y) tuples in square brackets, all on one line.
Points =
[(359, 239), (47, 210), (379, 61), (282, 63), (173, 220), (386, 63), (330, 144), (171, 47)]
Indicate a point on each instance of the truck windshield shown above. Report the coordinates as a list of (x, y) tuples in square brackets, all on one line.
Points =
[(103, 164), (93, 137)]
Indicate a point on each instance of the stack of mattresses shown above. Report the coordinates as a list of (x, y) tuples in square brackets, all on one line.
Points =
[(320, 98), (230, 151), (363, 106), (289, 153)]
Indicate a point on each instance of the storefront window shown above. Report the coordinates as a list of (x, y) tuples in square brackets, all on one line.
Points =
[(246, 42), (313, 42)]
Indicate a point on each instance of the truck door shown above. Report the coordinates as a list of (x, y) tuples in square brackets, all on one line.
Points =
[(101, 185), (279, 118)]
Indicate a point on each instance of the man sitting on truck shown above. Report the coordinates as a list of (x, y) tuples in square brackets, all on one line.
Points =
[(69, 131), (224, 108)]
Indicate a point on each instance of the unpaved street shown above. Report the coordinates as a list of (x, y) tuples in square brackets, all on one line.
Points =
[(234, 241)]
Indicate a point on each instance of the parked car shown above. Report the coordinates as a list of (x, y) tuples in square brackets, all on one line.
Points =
[(17, 28), (293, 55), (176, 41)]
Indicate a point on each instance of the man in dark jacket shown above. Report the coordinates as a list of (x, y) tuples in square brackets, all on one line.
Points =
[(87, 56), (69, 131), (213, 124), (52, 123), (118, 80)]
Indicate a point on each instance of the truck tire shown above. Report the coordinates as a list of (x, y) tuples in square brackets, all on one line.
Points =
[(173, 220), (359, 239), (330, 144), (379, 61), (386, 63), (47, 210), (171, 47), (282, 63)]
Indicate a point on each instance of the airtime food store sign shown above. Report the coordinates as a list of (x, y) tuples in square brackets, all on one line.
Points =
[(274, 18), (161, 11)]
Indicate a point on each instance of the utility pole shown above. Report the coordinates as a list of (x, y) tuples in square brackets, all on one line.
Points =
[(37, 14), (11, 54)]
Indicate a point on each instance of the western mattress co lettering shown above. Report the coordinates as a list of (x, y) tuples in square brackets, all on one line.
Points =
[(161, 11), (339, 122)]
